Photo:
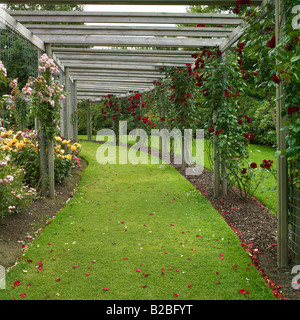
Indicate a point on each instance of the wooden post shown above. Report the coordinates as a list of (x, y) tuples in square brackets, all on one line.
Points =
[(224, 179), (68, 103), (43, 153), (161, 125), (62, 105), (89, 121), (50, 148), (75, 112), (216, 166), (224, 183), (51, 169), (282, 172), (43, 157)]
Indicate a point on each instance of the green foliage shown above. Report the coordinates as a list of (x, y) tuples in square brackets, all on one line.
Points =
[(278, 64), (45, 7), (20, 108), (14, 195), (20, 58), (183, 109)]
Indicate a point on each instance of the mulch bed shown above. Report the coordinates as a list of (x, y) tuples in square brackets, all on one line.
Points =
[(251, 221)]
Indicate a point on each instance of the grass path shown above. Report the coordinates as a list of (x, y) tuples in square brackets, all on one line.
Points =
[(257, 153), (141, 231)]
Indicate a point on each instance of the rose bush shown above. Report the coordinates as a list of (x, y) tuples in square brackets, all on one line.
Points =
[(14, 194), (23, 149)]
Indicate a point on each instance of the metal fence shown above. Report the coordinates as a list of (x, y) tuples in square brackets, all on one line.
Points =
[(18, 56), (294, 220)]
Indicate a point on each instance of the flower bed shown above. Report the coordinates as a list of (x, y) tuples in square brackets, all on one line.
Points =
[(19, 167)]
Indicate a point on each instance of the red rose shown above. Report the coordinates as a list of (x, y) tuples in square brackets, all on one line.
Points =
[(271, 43), (245, 74), (242, 45), (218, 132), (253, 165), (275, 78), (293, 109), (266, 164), (227, 94), (240, 121), (236, 9), (244, 170), (248, 118), (247, 135)]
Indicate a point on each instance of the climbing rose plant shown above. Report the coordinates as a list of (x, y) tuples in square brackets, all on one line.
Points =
[(221, 82), (46, 94), (278, 63)]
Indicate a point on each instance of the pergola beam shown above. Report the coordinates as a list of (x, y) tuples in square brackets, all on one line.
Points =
[(106, 66), (126, 17), (131, 31), (95, 57), (137, 2), (110, 75), (131, 63), (116, 87), (122, 52), (110, 79), (119, 41), (109, 84)]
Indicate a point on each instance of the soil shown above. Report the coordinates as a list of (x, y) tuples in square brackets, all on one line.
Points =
[(255, 226)]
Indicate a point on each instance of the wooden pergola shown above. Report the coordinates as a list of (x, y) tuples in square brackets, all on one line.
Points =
[(97, 53), (64, 42)]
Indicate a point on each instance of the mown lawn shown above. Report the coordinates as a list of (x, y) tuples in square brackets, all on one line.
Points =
[(135, 232), (257, 154)]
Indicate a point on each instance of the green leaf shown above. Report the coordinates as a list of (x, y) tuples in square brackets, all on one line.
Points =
[(277, 154), (294, 59)]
